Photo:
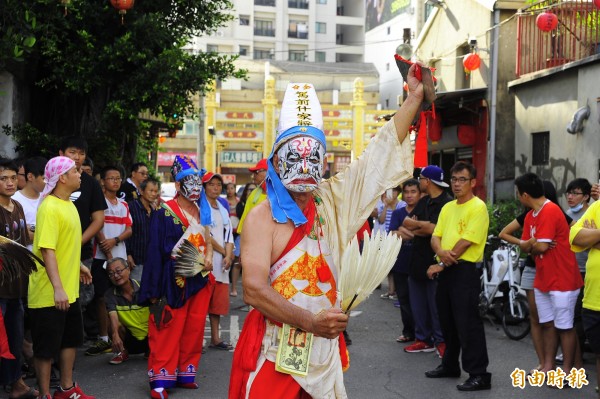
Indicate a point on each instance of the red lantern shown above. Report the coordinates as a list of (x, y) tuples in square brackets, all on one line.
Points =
[(435, 128), (122, 6), (466, 134), (547, 21), (597, 3), (162, 139), (471, 62)]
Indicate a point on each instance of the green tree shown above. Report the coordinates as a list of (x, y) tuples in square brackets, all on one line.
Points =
[(86, 74)]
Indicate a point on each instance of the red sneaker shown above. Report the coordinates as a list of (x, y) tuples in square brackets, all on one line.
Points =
[(74, 392), (120, 358), (441, 349), (419, 346)]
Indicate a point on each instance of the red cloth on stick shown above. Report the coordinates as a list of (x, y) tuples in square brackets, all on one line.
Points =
[(420, 159)]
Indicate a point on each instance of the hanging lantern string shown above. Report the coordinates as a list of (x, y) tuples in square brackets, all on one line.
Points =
[(447, 55)]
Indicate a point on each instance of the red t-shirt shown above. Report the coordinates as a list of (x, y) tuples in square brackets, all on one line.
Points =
[(556, 269)]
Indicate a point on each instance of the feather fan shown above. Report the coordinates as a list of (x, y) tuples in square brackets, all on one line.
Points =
[(362, 273), (189, 261), (16, 260)]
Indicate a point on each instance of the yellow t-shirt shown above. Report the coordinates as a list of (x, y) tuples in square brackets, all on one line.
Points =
[(256, 197), (57, 228), (468, 221), (591, 291)]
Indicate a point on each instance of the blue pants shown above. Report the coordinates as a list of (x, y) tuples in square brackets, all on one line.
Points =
[(424, 310), (13, 313)]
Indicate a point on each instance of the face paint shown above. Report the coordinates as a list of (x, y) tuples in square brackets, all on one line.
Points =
[(191, 187), (301, 164)]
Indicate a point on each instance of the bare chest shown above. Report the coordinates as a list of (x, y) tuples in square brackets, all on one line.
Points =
[(281, 237)]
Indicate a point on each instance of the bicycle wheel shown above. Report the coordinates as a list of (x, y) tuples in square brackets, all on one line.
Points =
[(515, 321)]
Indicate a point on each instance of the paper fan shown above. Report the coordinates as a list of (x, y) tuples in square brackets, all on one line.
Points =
[(362, 273), (189, 261)]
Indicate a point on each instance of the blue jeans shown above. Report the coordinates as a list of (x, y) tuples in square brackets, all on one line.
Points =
[(13, 313), (424, 310)]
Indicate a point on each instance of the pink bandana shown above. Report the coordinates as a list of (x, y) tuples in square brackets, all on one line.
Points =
[(55, 167)]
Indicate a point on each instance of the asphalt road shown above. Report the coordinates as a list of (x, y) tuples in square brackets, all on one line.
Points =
[(379, 368)]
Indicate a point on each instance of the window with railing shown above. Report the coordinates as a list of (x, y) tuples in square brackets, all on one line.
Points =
[(268, 3), (320, 56), (263, 28), (212, 48), (576, 36), (297, 55), (262, 54), (298, 30), (303, 4), (320, 27), (244, 50), (245, 20)]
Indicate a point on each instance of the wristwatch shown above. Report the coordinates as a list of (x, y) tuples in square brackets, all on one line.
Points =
[(117, 240), (442, 264)]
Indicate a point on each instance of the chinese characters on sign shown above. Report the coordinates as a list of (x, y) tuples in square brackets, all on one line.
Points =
[(555, 378), (240, 157)]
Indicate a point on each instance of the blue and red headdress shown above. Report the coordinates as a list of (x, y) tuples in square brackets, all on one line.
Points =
[(184, 166)]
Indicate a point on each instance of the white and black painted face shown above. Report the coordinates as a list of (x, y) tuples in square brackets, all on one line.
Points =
[(191, 187), (301, 163)]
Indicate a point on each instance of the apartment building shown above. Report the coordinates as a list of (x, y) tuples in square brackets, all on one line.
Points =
[(291, 30)]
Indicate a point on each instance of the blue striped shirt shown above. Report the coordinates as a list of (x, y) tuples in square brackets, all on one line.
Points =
[(136, 244)]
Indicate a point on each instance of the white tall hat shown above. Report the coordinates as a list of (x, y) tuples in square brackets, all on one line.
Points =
[(300, 108)]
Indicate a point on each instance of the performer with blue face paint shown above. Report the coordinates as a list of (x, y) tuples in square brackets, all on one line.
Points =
[(292, 246), (178, 305)]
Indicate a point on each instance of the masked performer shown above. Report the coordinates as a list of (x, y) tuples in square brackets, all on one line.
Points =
[(292, 246), (178, 305)]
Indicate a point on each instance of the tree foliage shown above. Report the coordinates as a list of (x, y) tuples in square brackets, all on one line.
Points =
[(87, 74)]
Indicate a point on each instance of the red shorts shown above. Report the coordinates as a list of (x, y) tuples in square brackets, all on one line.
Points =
[(219, 299)]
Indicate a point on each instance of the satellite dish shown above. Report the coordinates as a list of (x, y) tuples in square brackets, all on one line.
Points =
[(405, 51)]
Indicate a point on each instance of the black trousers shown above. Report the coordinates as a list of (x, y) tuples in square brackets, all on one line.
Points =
[(408, 322), (457, 300)]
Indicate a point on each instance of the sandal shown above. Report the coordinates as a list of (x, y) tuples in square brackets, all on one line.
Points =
[(223, 345), (534, 370), (404, 338)]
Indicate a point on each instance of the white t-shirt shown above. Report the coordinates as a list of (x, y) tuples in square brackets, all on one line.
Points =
[(116, 219), (30, 207), (223, 234)]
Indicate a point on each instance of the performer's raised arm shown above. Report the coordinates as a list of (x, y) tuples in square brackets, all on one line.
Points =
[(404, 117)]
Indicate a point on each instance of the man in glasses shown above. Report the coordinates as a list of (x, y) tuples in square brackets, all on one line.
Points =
[(131, 188), (128, 320), (259, 194), (108, 243), (458, 241)]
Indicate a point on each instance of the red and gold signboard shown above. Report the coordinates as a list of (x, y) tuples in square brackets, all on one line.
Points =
[(239, 115), (239, 135)]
